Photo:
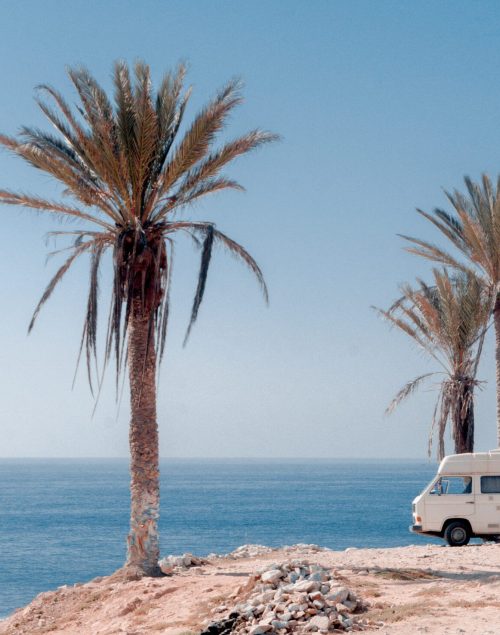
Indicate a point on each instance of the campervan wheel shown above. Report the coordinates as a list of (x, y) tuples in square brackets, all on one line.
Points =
[(457, 533)]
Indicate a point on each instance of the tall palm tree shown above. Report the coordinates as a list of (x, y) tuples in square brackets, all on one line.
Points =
[(447, 321), (474, 230), (129, 174)]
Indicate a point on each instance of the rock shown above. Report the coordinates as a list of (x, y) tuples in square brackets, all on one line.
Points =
[(338, 595), (248, 551), (260, 629), (317, 577), (165, 567), (305, 586), (278, 624), (350, 605), (272, 576), (321, 621)]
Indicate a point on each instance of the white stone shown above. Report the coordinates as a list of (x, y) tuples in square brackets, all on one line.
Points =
[(272, 576), (321, 621), (305, 586), (166, 566)]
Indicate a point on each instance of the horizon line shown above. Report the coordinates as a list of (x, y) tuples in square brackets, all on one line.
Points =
[(232, 458)]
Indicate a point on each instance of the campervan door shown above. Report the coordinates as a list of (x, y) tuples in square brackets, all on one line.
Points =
[(451, 497)]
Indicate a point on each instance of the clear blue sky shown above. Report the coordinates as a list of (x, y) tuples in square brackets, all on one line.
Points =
[(380, 105)]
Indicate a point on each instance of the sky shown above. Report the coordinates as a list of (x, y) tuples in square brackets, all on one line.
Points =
[(380, 107)]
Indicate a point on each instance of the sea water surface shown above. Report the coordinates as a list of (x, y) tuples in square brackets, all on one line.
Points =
[(65, 521)]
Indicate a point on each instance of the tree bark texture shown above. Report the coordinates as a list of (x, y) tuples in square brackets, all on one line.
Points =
[(143, 543), (463, 419), (496, 319)]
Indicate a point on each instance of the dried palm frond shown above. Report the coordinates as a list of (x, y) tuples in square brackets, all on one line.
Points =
[(405, 392), (473, 229), (448, 321)]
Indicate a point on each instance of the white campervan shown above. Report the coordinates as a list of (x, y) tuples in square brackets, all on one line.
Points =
[(463, 499)]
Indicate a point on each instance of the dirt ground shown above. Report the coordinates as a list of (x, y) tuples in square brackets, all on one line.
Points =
[(421, 589)]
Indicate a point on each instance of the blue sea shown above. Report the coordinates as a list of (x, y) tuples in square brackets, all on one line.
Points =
[(65, 521)]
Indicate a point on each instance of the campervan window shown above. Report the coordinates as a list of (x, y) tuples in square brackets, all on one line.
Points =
[(490, 484), (453, 485)]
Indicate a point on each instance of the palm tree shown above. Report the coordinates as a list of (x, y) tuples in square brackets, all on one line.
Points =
[(447, 321), (129, 174), (474, 230)]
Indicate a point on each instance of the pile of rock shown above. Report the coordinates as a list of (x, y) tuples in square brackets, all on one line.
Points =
[(245, 551), (253, 551), (294, 597), (304, 547), (176, 564)]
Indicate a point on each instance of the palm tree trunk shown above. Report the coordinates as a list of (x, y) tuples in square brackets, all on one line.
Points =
[(143, 544), (496, 319), (463, 419)]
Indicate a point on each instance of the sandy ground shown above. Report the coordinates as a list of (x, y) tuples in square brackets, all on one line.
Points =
[(410, 590)]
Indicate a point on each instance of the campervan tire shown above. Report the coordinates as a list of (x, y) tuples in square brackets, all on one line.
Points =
[(457, 533)]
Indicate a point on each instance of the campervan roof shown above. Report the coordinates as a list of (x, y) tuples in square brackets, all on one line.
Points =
[(477, 463)]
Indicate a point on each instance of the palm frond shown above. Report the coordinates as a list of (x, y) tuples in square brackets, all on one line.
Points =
[(406, 391), (239, 252), (206, 255), (77, 251), (196, 143), (212, 165), (432, 252), (40, 204)]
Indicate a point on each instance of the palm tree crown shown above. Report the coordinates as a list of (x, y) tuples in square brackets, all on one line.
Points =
[(447, 321), (129, 175)]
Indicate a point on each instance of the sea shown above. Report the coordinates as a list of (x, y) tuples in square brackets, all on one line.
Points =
[(65, 520)]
